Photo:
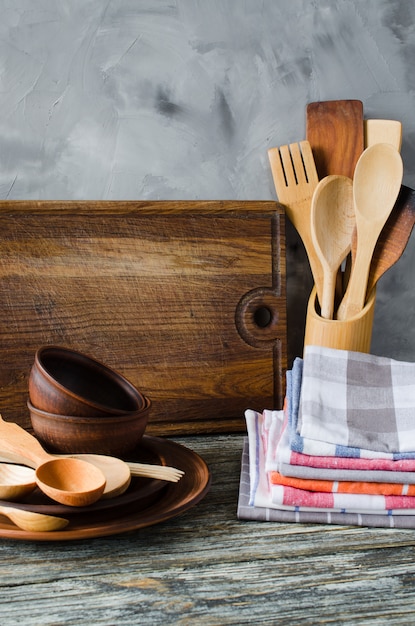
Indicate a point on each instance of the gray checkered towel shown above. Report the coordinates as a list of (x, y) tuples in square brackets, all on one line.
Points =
[(359, 400)]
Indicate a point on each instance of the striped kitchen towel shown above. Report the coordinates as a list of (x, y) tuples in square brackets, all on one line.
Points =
[(248, 511), (264, 495), (280, 458)]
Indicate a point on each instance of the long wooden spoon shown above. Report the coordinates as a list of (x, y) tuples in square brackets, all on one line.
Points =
[(395, 234), (69, 481), (393, 239), (33, 522), (398, 228), (377, 181), (332, 224)]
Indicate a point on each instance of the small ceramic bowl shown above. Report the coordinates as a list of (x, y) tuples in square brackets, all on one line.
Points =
[(115, 435), (65, 382)]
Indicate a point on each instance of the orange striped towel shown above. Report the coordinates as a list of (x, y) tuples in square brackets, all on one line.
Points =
[(328, 486)]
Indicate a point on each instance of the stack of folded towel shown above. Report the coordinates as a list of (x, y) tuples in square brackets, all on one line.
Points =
[(343, 449)]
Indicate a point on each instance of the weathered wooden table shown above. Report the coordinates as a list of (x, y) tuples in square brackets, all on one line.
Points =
[(206, 567)]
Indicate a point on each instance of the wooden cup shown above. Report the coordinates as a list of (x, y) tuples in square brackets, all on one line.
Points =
[(353, 334)]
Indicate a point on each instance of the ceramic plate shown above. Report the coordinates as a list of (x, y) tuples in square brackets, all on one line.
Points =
[(173, 500)]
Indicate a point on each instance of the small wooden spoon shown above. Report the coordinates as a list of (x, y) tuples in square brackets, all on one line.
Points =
[(16, 481), (33, 522), (332, 224), (69, 481), (377, 181)]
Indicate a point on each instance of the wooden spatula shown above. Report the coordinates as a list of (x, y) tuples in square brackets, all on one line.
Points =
[(383, 131), (334, 129)]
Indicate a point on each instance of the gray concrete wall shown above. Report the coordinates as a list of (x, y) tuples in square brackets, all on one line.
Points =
[(180, 99)]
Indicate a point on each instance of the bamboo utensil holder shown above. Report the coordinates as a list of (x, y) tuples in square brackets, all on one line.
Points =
[(352, 334)]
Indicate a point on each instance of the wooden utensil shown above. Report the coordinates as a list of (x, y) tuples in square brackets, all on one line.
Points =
[(16, 481), (33, 522), (69, 481), (383, 131), (393, 238), (118, 473), (295, 179), (332, 224), (108, 465), (334, 129), (377, 181)]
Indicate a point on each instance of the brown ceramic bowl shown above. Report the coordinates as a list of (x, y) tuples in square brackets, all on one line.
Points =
[(65, 382), (115, 435)]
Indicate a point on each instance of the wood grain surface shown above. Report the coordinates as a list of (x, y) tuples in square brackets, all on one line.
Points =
[(206, 567), (334, 129), (186, 299)]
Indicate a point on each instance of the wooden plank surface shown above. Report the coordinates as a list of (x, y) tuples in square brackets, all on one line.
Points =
[(171, 294), (206, 567)]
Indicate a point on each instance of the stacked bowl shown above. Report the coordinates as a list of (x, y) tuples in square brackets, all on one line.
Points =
[(79, 405)]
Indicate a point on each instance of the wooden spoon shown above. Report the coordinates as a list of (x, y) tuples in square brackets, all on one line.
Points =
[(116, 472), (335, 131), (16, 481), (69, 481), (332, 224), (33, 522), (393, 239), (377, 181)]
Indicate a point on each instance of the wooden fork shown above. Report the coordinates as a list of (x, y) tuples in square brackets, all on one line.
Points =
[(162, 472), (295, 178)]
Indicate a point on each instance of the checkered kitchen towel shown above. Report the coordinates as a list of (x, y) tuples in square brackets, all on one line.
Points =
[(357, 400)]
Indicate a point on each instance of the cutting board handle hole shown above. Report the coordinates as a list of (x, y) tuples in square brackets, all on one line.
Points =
[(260, 317), (263, 317)]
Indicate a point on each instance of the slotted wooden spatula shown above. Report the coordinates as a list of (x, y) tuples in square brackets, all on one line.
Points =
[(295, 179), (334, 129)]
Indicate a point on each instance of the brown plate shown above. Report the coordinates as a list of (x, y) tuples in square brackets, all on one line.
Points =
[(140, 491), (175, 499)]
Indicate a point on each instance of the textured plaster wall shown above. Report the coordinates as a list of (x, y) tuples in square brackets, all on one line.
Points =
[(180, 99)]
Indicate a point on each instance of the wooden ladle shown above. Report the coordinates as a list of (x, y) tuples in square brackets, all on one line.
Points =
[(376, 185), (332, 224), (33, 522), (69, 481)]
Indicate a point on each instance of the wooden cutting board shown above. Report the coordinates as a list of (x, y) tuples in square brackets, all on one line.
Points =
[(186, 299)]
